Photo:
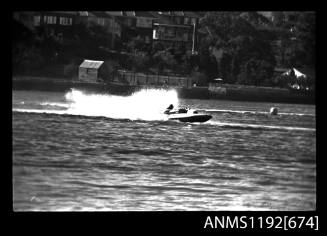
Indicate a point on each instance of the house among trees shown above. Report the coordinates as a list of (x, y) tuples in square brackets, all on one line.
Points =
[(103, 19), (241, 47), (33, 19), (144, 24), (176, 28), (134, 25), (172, 28)]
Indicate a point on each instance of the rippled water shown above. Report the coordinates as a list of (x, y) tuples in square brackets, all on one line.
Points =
[(78, 151)]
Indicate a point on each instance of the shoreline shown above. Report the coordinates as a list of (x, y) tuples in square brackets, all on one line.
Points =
[(225, 92)]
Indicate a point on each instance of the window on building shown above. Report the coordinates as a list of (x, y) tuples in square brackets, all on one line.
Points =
[(65, 21), (186, 21), (53, 20), (100, 21), (170, 32), (50, 19), (185, 37), (155, 34), (37, 20), (110, 23), (147, 39), (180, 34), (129, 22), (115, 26), (143, 22)]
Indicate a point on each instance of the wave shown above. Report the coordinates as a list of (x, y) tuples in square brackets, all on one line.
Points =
[(253, 112), (146, 105), (216, 123), (258, 126), (55, 104), (296, 114), (59, 112)]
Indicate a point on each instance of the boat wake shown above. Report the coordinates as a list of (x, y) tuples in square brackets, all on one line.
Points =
[(253, 112), (55, 104), (258, 126), (147, 104), (227, 125)]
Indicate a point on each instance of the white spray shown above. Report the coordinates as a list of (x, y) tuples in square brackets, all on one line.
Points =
[(146, 104)]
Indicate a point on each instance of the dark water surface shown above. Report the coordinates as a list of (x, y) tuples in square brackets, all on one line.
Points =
[(82, 152)]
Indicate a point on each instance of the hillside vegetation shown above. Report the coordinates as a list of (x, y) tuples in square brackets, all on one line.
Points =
[(240, 47)]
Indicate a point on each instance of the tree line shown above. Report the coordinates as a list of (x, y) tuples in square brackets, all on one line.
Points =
[(251, 45), (239, 47)]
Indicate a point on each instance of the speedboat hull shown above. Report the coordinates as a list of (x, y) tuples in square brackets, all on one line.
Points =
[(186, 115), (191, 118)]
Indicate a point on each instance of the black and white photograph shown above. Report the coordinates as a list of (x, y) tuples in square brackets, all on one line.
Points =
[(119, 111)]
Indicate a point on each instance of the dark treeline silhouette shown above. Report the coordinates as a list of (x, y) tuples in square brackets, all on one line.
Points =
[(239, 47)]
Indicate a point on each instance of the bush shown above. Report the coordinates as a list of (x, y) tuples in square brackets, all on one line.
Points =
[(164, 60), (255, 72), (27, 58), (71, 70), (109, 69), (199, 78)]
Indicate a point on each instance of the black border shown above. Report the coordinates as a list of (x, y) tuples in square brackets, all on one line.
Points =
[(162, 221)]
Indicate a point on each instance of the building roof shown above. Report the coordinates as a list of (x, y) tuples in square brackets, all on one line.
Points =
[(180, 13), (165, 21), (121, 13), (144, 14), (177, 13), (162, 19), (83, 13), (64, 12), (164, 12), (91, 64), (115, 13), (191, 14), (101, 14), (86, 14), (173, 25), (129, 13), (155, 14), (150, 14)]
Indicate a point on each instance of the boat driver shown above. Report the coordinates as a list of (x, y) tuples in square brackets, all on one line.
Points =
[(168, 109)]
